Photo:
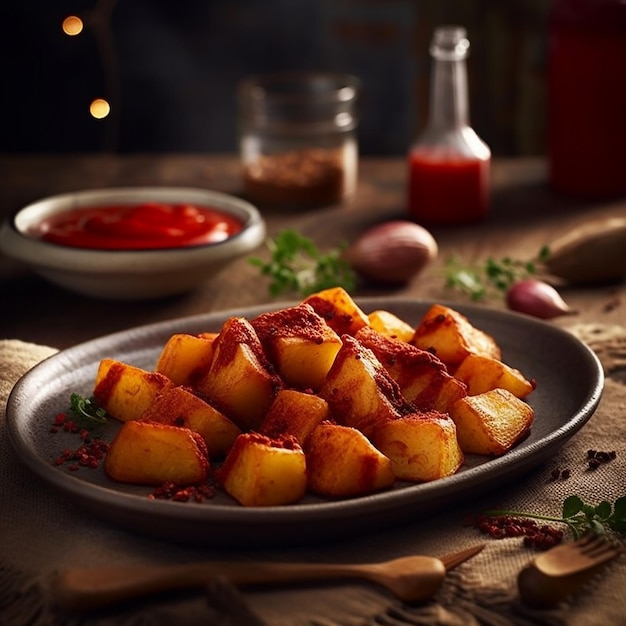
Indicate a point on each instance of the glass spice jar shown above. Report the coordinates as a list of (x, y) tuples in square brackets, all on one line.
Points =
[(298, 140), (449, 165)]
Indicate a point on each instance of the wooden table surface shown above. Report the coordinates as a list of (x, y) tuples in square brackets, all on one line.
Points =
[(525, 215)]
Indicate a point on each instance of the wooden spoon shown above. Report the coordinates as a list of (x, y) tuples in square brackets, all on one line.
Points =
[(411, 578)]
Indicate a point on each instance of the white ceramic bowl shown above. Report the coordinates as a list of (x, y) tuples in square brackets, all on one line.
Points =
[(130, 274)]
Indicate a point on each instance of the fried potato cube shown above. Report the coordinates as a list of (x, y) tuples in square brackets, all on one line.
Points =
[(342, 462), (449, 335), (422, 447), (423, 379), (299, 343), (126, 391), (147, 453), (241, 383), (294, 413), (483, 373), (185, 358), (260, 471), (359, 390), (178, 406), (491, 422), (339, 310), (390, 325)]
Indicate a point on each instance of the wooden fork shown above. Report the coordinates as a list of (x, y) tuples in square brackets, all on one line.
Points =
[(559, 572)]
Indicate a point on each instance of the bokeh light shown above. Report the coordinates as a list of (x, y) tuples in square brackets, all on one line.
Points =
[(99, 108), (72, 25)]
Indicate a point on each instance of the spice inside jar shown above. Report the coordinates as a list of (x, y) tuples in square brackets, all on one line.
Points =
[(298, 139), (311, 176)]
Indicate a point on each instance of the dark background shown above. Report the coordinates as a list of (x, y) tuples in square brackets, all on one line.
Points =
[(170, 69)]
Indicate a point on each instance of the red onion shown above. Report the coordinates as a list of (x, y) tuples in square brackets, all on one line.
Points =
[(536, 298), (392, 252)]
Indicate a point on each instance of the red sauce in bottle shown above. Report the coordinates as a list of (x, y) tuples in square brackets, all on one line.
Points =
[(144, 226), (448, 189)]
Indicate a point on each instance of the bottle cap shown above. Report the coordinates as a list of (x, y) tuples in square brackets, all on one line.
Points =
[(450, 43)]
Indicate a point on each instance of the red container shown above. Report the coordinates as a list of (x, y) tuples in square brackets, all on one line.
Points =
[(587, 97)]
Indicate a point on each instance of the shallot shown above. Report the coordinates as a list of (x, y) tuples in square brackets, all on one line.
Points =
[(537, 298), (392, 252)]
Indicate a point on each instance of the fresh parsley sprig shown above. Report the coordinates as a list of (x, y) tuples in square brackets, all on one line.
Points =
[(86, 410), (491, 277), (298, 266), (580, 517)]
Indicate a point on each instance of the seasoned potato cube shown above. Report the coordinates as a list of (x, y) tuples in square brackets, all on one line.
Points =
[(359, 390), (126, 391), (483, 373), (185, 358), (339, 310), (449, 334), (492, 422), (390, 325), (240, 383), (178, 406), (423, 379), (422, 447), (147, 453), (260, 471), (342, 462), (294, 413), (299, 343)]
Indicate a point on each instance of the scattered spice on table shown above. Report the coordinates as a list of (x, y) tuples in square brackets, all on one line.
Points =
[(537, 536), (596, 458)]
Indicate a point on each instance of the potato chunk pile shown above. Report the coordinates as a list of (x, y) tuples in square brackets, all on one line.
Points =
[(315, 398)]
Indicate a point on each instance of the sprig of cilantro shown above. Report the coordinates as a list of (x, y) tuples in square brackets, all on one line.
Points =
[(298, 266), (86, 410), (580, 517), (493, 276)]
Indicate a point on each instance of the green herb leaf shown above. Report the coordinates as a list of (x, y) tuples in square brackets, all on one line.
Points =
[(86, 410), (298, 266), (581, 517), (492, 277)]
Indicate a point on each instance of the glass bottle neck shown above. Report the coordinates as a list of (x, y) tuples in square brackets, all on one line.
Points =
[(449, 107)]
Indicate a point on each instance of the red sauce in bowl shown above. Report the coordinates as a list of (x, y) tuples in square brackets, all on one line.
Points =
[(150, 225)]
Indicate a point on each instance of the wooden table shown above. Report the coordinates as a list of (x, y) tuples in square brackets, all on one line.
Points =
[(525, 215), (39, 531)]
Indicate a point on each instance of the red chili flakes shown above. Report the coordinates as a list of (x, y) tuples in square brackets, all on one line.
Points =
[(89, 454), (537, 536), (177, 493)]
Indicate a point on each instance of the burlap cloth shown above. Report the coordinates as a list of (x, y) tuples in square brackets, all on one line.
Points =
[(40, 532)]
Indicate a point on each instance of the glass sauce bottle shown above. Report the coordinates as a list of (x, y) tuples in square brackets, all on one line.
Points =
[(449, 165)]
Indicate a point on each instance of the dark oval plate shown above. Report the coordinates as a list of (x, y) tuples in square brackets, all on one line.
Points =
[(569, 386)]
